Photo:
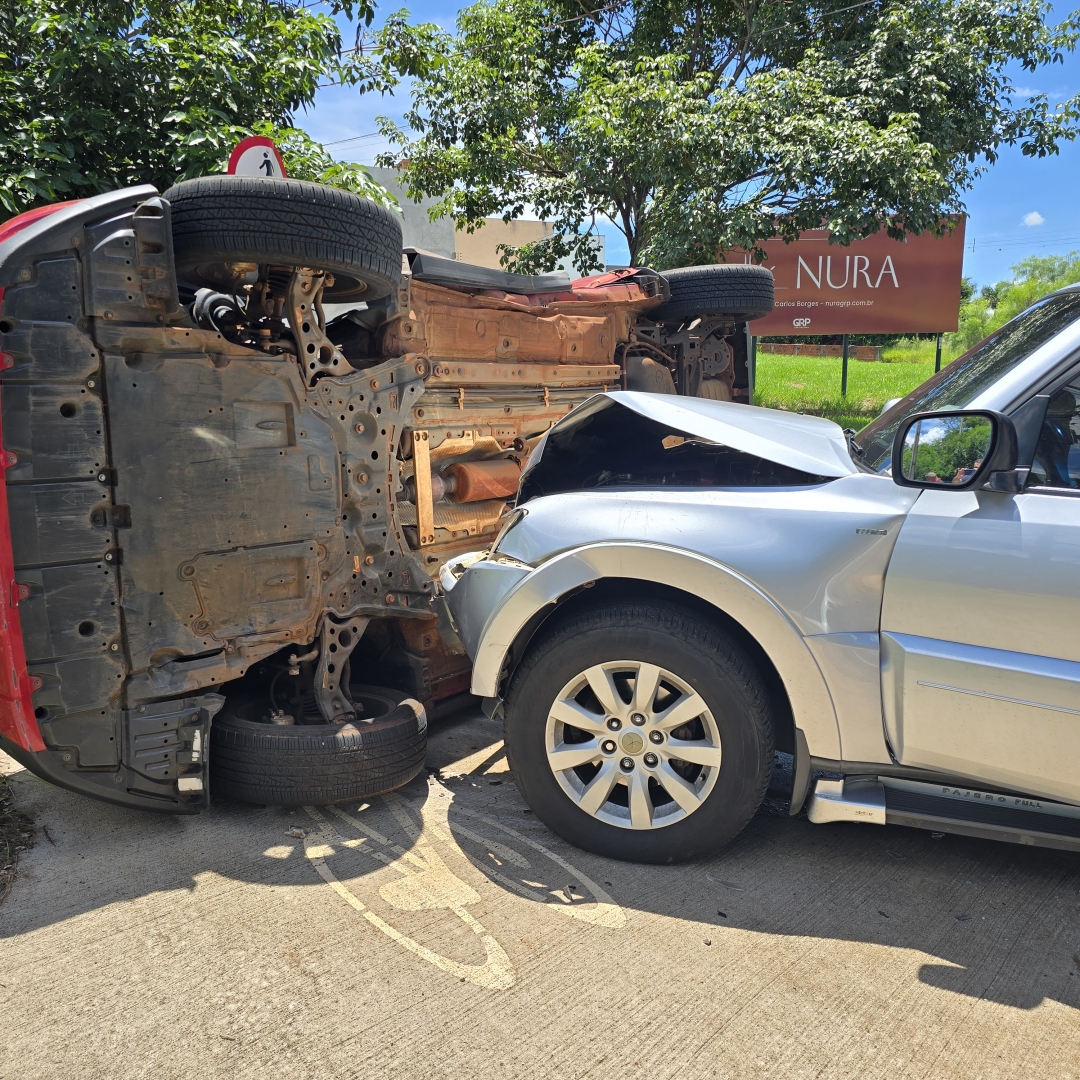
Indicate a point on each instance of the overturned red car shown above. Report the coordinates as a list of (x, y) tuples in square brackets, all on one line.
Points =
[(242, 432)]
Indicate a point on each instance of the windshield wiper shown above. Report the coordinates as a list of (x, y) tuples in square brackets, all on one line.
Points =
[(852, 444)]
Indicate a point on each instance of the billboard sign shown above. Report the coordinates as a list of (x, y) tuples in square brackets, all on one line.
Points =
[(872, 286)]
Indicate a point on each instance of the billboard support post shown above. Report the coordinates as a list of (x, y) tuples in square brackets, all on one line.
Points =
[(937, 356), (843, 369), (752, 365)]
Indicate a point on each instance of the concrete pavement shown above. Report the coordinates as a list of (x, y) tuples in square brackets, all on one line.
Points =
[(444, 932)]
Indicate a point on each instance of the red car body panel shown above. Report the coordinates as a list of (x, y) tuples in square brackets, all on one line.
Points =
[(17, 721)]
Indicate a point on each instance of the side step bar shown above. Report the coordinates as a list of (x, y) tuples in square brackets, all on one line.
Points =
[(888, 800)]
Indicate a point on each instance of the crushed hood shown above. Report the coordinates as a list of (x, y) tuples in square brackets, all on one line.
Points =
[(807, 443)]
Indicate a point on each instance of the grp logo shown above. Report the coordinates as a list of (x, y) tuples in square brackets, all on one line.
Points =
[(800, 322)]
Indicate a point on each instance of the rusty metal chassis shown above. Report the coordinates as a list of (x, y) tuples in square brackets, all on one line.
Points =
[(692, 352)]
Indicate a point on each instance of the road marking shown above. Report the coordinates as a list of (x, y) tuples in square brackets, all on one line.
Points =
[(427, 882), (496, 973), (605, 912)]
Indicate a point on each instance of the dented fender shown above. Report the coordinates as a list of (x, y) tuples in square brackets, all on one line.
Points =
[(513, 594)]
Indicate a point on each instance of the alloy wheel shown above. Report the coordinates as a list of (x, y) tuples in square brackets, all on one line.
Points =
[(633, 745)]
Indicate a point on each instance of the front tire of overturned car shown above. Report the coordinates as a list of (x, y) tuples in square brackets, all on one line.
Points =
[(554, 717), (316, 764)]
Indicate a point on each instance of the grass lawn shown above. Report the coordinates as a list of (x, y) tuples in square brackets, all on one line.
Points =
[(811, 384), (921, 351)]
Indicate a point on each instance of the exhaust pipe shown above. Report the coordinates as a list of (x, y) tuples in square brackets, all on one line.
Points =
[(472, 481)]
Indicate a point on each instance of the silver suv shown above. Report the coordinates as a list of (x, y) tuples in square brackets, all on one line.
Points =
[(688, 586)]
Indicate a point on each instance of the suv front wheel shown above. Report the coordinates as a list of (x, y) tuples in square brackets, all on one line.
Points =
[(640, 731)]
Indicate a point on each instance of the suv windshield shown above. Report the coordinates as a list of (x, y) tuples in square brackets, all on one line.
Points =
[(967, 377)]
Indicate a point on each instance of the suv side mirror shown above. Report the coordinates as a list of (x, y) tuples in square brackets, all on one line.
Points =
[(956, 449)]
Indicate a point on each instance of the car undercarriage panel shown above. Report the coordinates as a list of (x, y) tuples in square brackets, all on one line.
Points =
[(198, 483)]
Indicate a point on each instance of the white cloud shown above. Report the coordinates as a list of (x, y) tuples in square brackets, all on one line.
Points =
[(1033, 219), (1033, 91)]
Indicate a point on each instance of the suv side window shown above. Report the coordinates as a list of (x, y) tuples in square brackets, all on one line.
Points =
[(1057, 453)]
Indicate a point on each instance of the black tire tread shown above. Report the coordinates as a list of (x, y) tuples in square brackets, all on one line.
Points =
[(290, 222), (736, 289), (703, 637), (316, 765)]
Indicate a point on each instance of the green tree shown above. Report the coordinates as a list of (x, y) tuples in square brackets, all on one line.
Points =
[(699, 125), (948, 446), (99, 94), (1033, 278)]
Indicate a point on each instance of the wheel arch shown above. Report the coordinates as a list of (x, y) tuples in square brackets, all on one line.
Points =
[(592, 574)]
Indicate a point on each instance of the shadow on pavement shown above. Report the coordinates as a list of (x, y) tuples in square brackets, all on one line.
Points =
[(1000, 922)]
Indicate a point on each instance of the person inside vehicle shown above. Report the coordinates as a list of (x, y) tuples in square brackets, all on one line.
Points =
[(1052, 466)]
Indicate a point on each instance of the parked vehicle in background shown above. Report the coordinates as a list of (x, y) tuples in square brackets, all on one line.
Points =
[(686, 587), (226, 506)]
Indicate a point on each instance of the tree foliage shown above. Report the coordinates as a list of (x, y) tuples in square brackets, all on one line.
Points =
[(701, 125), (100, 94), (1033, 278), (953, 445)]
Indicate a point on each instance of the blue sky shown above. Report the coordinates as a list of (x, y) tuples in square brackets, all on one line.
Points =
[(1020, 206)]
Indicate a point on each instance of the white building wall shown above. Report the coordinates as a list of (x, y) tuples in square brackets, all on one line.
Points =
[(478, 247), (417, 231)]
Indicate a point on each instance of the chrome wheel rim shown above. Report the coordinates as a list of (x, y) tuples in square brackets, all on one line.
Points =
[(633, 745)]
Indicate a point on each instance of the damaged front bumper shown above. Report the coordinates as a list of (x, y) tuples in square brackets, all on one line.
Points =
[(472, 597)]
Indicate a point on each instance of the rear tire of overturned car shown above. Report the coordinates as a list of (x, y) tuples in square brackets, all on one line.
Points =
[(736, 290), (640, 731), (317, 764), (220, 221)]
